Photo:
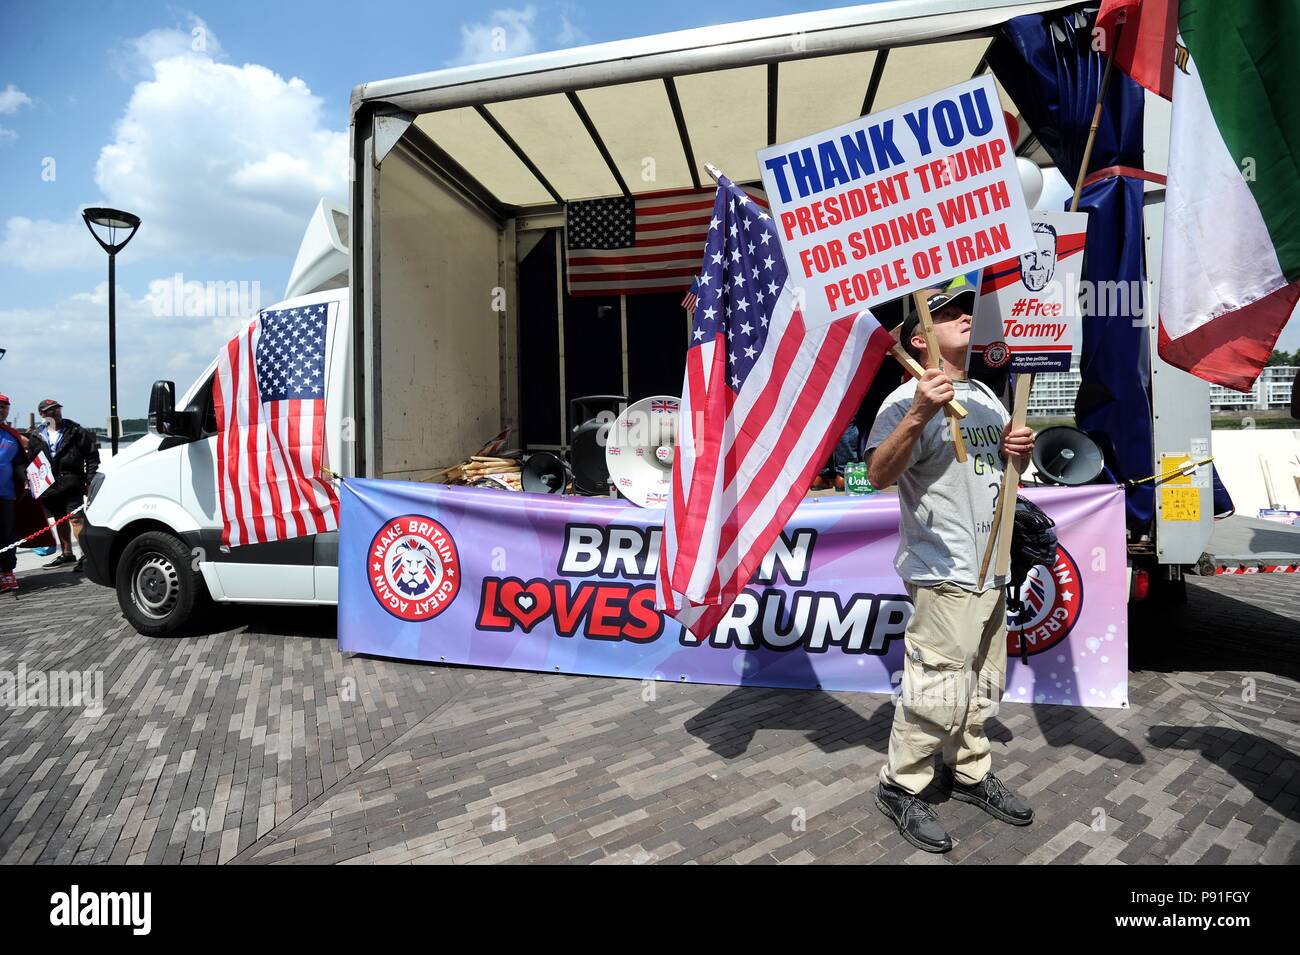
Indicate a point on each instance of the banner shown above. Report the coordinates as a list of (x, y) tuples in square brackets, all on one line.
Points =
[(1027, 314), (897, 201), (566, 585)]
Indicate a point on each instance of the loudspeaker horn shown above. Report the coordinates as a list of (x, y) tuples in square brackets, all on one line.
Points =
[(1066, 455), (544, 473), (639, 450)]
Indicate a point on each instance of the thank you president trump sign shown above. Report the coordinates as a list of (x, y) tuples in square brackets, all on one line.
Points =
[(897, 201)]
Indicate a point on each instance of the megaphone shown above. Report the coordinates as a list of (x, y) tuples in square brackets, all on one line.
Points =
[(1066, 455), (544, 473), (639, 450)]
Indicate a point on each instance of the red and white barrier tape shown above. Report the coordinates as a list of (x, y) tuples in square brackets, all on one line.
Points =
[(1263, 569), (66, 517)]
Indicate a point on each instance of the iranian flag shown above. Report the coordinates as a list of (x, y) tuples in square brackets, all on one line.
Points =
[(1231, 262)]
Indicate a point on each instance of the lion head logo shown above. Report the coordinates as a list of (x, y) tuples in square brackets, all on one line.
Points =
[(413, 566)]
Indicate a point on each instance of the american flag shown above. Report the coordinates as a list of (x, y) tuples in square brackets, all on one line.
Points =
[(270, 402), (763, 403), (636, 245)]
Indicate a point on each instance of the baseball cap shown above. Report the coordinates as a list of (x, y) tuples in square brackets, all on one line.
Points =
[(49, 404), (962, 295), (4, 398)]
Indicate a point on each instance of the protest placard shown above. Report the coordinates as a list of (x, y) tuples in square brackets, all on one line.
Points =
[(897, 201), (1027, 314), (39, 475)]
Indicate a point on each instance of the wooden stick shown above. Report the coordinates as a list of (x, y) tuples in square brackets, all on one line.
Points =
[(1096, 121), (913, 368), (1004, 515), (933, 360)]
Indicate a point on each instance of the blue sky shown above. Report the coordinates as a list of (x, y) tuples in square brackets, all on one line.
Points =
[(221, 125)]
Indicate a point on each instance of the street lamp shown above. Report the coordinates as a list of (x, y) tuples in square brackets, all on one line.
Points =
[(112, 220)]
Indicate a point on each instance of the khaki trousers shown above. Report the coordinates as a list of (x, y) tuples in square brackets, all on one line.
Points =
[(954, 670)]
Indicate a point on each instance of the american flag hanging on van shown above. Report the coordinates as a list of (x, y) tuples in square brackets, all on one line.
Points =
[(638, 245), (270, 402)]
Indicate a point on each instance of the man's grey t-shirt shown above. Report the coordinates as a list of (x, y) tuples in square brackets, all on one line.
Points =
[(946, 507)]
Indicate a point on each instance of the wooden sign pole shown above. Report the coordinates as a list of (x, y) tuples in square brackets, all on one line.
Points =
[(1004, 514), (934, 360)]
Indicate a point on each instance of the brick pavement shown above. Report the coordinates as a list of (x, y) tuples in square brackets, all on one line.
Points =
[(261, 743)]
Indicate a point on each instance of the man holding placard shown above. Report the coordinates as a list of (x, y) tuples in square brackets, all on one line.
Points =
[(886, 205), (955, 652)]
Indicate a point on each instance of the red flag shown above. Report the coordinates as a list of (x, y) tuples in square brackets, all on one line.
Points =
[(1145, 49)]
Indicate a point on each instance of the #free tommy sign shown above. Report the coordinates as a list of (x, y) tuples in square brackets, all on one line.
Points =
[(1027, 314)]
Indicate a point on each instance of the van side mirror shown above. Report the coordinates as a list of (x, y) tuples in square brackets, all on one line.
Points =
[(162, 406)]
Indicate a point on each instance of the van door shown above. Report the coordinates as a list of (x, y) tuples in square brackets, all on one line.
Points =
[(275, 572)]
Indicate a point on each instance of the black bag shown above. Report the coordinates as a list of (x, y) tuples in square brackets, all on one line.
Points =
[(1033, 541)]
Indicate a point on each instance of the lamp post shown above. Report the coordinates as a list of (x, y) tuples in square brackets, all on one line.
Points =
[(112, 220)]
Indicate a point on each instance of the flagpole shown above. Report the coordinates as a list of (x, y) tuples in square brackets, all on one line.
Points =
[(954, 408), (1005, 513)]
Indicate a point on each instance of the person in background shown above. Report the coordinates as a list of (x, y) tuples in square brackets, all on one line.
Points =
[(74, 458), (846, 451), (13, 484)]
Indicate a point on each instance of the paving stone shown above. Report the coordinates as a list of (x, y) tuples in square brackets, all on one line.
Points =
[(260, 742)]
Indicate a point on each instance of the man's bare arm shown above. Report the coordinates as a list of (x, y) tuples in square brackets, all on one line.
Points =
[(888, 462)]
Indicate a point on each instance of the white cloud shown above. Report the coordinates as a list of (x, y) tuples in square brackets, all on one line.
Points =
[(13, 99), (221, 159), (39, 244), (139, 54), (507, 32), (149, 346), (216, 159)]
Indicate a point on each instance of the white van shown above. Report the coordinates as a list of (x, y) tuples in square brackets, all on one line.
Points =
[(152, 521)]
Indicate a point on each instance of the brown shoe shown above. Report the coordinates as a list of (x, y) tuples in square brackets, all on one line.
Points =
[(839, 482), (820, 483)]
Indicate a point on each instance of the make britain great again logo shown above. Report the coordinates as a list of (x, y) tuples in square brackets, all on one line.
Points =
[(413, 568), (1053, 599)]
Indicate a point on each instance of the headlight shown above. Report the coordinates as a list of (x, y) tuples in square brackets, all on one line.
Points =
[(95, 482)]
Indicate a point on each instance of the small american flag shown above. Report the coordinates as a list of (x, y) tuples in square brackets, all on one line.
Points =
[(763, 403), (636, 245), (270, 403)]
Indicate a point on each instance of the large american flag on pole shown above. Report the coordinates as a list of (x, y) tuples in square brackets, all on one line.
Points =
[(764, 401), (634, 245), (270, 402)]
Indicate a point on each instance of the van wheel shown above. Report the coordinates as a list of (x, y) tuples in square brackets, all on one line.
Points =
[(157, 588)]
